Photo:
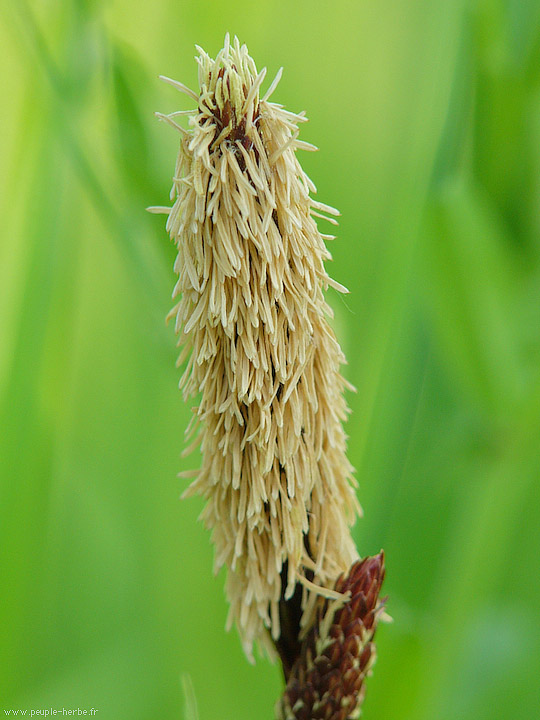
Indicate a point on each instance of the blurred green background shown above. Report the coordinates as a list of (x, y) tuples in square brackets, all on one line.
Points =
[(427, 113)]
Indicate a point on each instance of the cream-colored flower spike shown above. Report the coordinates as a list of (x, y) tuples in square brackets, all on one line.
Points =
[(253, 324)]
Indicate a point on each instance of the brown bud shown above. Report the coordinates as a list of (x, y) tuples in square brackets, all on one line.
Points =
[(327, 679)]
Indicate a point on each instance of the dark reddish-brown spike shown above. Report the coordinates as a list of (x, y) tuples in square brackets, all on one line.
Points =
[(329, 672)]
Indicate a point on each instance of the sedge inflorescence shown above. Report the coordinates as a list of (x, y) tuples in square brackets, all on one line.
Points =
[(326, 681), (261, 355)]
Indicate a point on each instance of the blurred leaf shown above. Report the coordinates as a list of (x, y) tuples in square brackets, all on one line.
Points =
[(26, 443), (476, 554), (125, 227), (472, 280), (132, 146)]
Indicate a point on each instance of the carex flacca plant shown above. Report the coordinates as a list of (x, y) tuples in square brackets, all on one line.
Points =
[(260, 355)]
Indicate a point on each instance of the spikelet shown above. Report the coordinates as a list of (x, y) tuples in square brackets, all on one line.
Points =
[(327, 679), (253, 324)]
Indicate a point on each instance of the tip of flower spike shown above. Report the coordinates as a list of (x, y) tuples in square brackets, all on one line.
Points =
[(229, 93), (365, 577)]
